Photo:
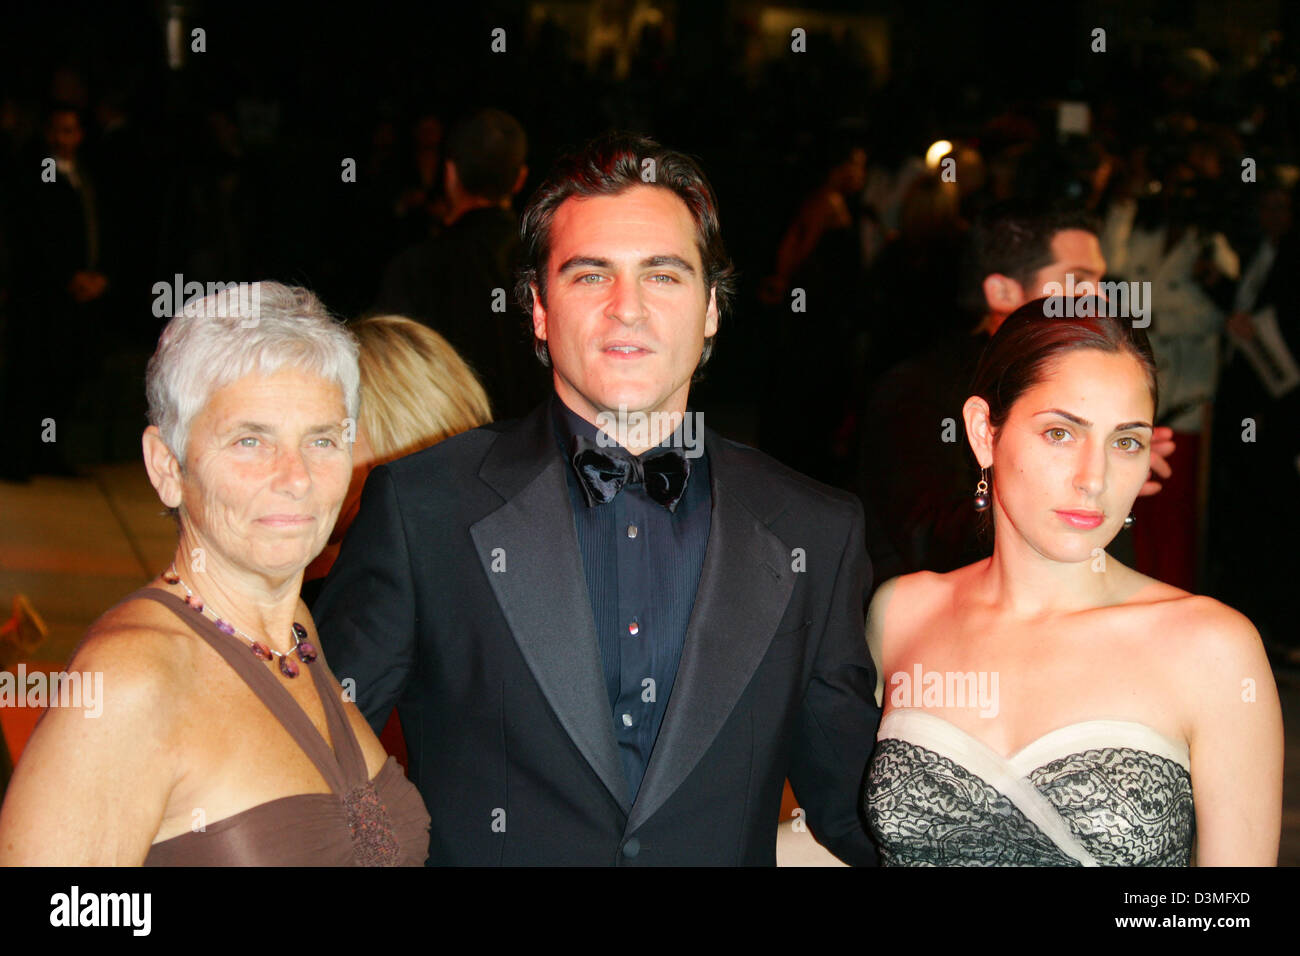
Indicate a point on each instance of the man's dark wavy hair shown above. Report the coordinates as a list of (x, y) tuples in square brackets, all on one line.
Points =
[(1014, 238), (607, 166)]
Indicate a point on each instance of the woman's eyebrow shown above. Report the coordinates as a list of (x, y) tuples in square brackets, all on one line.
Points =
[(1083, 422), (1066, 415), (247, 426)]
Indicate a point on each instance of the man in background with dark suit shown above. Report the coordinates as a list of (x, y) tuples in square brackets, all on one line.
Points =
[(57, 336), (612, 634), (458, 282)]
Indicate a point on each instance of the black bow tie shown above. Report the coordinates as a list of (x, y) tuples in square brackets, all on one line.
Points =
[(602, 472)]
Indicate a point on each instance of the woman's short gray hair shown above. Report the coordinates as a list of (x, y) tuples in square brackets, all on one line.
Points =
[(243, 329)]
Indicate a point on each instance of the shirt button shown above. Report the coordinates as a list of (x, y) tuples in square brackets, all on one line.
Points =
[(634, 628), (631, 531), (627, 720), (631, 848)]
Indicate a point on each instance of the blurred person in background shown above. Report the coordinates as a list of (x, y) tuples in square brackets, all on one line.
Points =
[(1255, 471), (57, 246), (820, 254), (1165, 237), (917, 273), (457, 282), (420, 210)]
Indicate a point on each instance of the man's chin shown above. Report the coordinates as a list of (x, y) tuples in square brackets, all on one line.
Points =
[(633, 401), (633, 396)]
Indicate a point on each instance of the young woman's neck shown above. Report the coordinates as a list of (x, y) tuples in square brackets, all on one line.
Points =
[(1025, 583)]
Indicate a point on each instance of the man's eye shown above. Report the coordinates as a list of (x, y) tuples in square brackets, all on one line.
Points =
[(248, 442), (661, 275), (592, 275)]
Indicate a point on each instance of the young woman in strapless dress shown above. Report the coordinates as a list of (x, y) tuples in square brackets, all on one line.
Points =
[(1047, 705)]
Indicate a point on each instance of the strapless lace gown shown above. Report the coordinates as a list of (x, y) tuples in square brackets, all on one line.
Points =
[(1095, 793)]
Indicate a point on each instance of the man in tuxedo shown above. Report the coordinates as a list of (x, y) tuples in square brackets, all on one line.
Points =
[(612, 636)]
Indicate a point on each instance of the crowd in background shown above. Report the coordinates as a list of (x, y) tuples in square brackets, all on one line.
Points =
[(854, 248)]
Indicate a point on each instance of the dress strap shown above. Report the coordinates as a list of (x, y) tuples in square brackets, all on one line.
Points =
[(262, 683), (347, 749)]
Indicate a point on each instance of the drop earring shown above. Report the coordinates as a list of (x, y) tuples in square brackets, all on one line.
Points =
[(982, 493)]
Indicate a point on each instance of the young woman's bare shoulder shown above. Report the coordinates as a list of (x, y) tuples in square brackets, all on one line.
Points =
[(1213, 625), (1145, 590), (908, 598), (1202, 638), (921, 585), (1192, 619), (927, 588)]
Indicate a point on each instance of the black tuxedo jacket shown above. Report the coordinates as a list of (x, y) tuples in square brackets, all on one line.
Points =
[(459, 596)]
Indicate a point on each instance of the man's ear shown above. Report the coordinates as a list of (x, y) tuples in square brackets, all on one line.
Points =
[(979, 432), (164, 470), (450, 179), (1003, 294), (711, 314), (539, 313), (519, 182)]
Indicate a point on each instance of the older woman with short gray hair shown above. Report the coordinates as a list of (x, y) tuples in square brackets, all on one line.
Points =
[(224, 738)]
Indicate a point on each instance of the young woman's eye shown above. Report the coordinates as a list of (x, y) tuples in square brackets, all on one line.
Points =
[(1133, 443), (1057, 435)]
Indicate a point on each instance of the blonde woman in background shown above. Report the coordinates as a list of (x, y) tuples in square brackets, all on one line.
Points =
[(416, 390)]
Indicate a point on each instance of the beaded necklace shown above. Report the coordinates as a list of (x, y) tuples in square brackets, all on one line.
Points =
[(288, 666)]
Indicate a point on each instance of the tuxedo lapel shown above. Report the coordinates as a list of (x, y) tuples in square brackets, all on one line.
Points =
[(745, 585), (538, 581)]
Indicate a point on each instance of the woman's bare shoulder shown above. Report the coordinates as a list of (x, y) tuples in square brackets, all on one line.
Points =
[(1194, 634), (1184, 615), (923, 588), (144, 651), (1210, 626), (900, 603)]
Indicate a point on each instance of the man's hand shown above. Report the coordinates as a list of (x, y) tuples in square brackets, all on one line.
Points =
[(1162, 446)]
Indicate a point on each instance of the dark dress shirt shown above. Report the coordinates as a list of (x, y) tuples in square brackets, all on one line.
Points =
[(642, 564)]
